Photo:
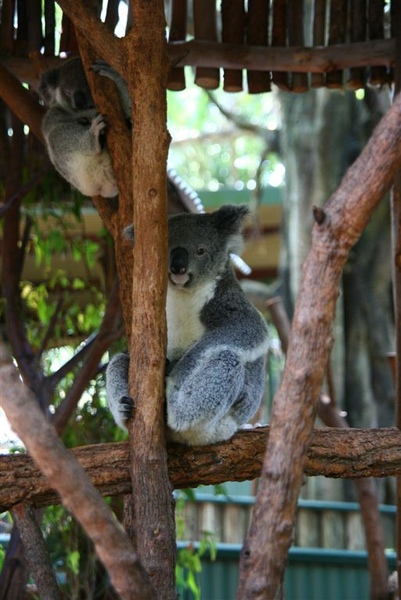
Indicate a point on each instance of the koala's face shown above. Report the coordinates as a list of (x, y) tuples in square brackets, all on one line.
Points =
[(200, 245), (66, 86)]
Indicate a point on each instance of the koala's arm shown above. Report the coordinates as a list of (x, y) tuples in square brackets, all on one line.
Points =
[(76, 145), (101, 67), (118, 398)]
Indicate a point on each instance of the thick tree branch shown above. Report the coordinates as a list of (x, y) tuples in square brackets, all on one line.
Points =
[(102, 39), (78, 494), (338, 453), (366, 487), (152, 502), (344, 218), (21, 102)]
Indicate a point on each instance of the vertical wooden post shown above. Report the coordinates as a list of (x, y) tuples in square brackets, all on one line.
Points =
[(396, 231), (149, 515)]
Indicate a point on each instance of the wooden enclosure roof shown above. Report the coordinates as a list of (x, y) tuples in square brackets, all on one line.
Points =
[(234, 43)]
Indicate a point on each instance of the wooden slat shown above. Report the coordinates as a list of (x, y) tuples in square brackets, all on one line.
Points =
[(7, 26), (337, 35), (257, 35), (50, 24), (233, 32), (299, 81), (34, 15), (279, 38), (358, 33), (319, 38), (178, 30), (112, 14), (68, 40), (205, 29), (378, 75)]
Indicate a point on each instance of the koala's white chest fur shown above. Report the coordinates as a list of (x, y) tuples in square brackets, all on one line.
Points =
[(183, 309)]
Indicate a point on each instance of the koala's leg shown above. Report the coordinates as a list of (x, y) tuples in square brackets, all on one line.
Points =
[(118, 398), (252, 393), (101, 67), (203, 394)]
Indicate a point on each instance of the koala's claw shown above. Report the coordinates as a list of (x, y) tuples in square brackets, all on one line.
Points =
[(126, 407), (99, 123), (100, 66)]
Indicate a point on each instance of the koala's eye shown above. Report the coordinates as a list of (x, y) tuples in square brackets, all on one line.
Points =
[(200, 251), (83, 121)]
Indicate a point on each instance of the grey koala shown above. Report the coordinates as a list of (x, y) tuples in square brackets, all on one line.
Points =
[(216, 340), (73, 129)]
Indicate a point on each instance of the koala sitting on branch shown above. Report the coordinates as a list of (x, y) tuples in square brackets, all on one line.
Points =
[(74, 131), (216, 340)]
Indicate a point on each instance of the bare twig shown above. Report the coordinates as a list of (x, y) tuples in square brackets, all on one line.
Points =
[(93, 354)]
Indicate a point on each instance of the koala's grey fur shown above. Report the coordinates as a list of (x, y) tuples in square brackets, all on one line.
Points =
[(74, 131), (66, 86), (77, 148), (216, 340)]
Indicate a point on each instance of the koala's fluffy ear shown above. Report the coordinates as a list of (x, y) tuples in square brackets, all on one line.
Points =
[(128, 233), (230, 218), (48, 82)]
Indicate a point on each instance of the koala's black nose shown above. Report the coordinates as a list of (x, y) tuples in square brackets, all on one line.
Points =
[(178, 261)]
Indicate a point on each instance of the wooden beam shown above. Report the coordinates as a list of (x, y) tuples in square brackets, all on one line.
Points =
[(319, 59), (347, 453), (292, 59)]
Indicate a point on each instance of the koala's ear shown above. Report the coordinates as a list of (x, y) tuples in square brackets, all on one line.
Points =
[(128, 233), (48, 82), (230, 218)]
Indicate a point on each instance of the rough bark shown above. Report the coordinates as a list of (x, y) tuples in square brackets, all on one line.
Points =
[(149, 513), (37, 556), (67, 476), (348, 453), (366, 488), (342, 221)]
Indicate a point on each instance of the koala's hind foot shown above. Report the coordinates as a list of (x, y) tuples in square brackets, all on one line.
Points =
[(120, 402), (105, 70)]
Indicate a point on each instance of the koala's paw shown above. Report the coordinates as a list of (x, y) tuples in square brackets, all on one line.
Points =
[(125, 408), (102, 68), (98, 129)]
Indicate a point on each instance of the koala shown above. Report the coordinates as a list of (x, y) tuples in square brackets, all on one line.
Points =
[(216, 340), (74, 131), (76, 144)]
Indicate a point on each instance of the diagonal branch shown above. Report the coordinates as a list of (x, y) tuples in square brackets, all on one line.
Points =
[(21, 102), (103, 41), (93, 353), (338, 227), (78, 494)]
